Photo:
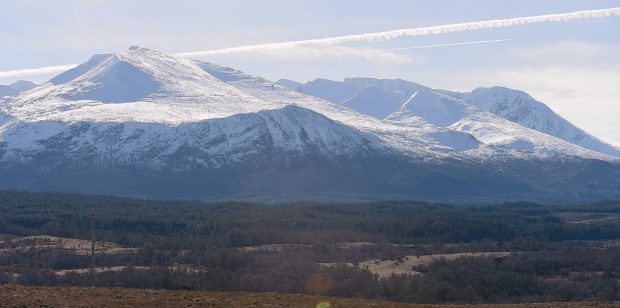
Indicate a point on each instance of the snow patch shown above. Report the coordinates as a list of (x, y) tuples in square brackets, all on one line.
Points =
[(119, 83), (434, 108), (376, 102)]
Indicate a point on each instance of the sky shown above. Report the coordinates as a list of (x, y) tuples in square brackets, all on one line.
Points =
[(572, 66)]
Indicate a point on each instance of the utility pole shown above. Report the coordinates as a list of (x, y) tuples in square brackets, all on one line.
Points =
[(92, 219)]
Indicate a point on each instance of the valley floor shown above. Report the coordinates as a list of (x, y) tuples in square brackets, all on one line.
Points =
[(398, 251), (22, 296)]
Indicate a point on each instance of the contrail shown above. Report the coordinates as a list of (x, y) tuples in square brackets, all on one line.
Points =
[(449, 44), (37, 71), (423, 31), (62, 68), (368, 37)]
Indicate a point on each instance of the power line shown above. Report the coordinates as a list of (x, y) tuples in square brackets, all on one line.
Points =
[(92, 219)]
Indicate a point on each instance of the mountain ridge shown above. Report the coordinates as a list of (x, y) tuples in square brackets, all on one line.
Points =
[(513, 105), (191, 129)]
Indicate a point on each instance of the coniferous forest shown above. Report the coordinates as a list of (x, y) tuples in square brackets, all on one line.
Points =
[(475, 253)]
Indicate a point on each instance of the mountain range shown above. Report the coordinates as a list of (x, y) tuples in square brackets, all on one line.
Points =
[(144, 123), (383, 98), (16, 88)]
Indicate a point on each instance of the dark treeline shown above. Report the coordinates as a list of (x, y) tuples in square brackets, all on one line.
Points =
[(551, 259), (234, 224)]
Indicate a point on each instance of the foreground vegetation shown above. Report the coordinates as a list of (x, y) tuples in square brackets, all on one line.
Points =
[(21, 296), (550, 253)]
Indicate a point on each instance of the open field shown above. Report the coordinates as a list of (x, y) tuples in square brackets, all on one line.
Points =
[(382, 267), (66, 245), (404, 265), (21, 296), (280, 247), (117, 268)]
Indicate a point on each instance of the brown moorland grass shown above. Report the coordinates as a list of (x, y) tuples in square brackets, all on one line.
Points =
[(22, 296)]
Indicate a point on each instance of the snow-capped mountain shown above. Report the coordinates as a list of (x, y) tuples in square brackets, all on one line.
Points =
[(131, 104), (23, 85), (139, 85), (445, 111), (16, 88), (417, 140), (512, 105), (145, 123), (519, 107)]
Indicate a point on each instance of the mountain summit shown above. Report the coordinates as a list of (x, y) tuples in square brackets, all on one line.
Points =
[(138, 120)]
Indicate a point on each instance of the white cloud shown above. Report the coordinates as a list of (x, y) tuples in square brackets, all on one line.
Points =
[(36, 71)]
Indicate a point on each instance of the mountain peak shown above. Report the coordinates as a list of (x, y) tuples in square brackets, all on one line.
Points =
[(137, 84), (23, 85), (519, 107), (133, 75), (116, 78), (16, 88), (497, 92), (79, 70)]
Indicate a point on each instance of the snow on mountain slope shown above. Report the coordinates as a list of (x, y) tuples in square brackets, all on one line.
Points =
[(433, 108), (513, 105), (329, 90), (173, 91), (212, 143), (374, 97), (445, 111), (340, 91), (420, 141), (376, 102), (415, 134), (139, 105), (291, 84), (521, 108), (23, 85), (397, 85), (179, 91), (144, 123), (138, 85), (80, 69)]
